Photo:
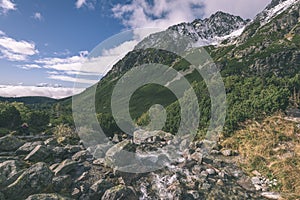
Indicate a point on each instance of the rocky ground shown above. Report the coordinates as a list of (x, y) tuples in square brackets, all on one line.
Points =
[(37, 167)]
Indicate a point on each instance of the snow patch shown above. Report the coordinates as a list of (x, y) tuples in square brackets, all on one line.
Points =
[(277, 10)]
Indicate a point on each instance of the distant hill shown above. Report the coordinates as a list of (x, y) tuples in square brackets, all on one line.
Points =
[(30, 100)]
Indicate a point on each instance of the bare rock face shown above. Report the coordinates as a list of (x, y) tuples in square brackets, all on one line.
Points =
[(36, 179)]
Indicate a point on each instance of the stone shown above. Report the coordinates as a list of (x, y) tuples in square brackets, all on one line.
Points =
[(10, 143), (62, 184), (47, 197), (271, 195), (9, 172), (81, 156), (119, 192), (197, 157), (210, 171), (98, 189), (76, 193), (116, 138), (227, 152), (116, 155), (27, 147), (51, 142), (36, 179), (99, 162), (83, 177), (38, 154), (65, 167)]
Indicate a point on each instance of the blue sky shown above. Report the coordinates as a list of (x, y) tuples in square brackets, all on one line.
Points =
[(44, 42)]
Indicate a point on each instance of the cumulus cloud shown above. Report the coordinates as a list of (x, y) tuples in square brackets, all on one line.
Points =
[(162, 13), (47, 91), (84, 67), (38, 16), (14, 50), (7, 5)]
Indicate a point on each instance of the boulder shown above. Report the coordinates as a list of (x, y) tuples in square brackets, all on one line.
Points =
[(271, 195), (119, 192), (118, 156), (47, 197), (62, 184), (10, 143), (9, 172), (36, 179), (65, 167), (38, 154), (81, 156), (27, 147), (98, 189)]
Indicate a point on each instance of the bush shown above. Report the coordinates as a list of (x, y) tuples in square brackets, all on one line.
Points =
[(65, 134)]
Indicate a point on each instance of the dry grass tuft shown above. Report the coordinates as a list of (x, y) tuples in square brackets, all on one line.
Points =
[(271, 147)]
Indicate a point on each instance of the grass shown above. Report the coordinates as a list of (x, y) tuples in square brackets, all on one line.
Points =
[(271, 147)]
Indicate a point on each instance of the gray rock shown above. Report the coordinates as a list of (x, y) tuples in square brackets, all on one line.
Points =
[(10, 143), (2, 197), (36, 179), (211, 171), (98, 189), (119, 192), (51, 142), (47, 197), (117, 156), (81, 156), (27, 147), (271, 195), (227, 152), (65, 167), (9, 172), (197, 157), (62, 184), (38, 154)]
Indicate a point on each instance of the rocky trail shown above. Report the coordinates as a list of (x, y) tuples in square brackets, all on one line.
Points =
[(37, 167)]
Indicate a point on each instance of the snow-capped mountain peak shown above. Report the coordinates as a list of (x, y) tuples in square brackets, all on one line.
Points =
[(203, 32)]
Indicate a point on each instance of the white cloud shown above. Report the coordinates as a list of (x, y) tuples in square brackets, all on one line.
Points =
[(38, 16), (162, 14), (89, 3), (72, 79), (80, 3), (48, 91), (30, 66), (14, 50), (7, 5)]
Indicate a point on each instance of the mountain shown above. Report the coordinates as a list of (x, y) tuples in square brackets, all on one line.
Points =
[(204, 32), (260, 67)]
